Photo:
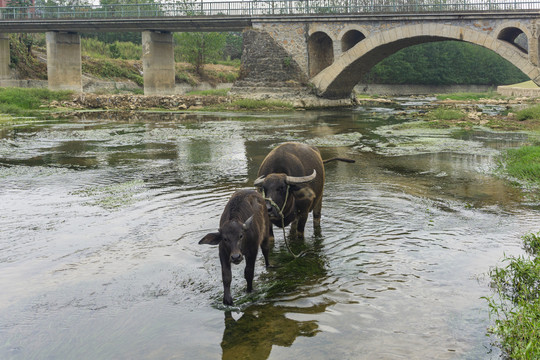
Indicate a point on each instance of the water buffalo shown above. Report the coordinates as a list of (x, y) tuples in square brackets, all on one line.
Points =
[(291, 179), (243, 227)]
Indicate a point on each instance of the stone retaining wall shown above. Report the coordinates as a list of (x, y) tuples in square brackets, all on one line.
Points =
[(519, 92), (389, 90)]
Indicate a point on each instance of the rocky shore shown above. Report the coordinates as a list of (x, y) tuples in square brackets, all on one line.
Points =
[(140, 102)]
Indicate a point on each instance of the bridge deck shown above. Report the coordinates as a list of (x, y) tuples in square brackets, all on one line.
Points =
[(208, 15), (234, 23)]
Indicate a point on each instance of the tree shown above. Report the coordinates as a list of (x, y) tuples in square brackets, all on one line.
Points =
[(233, 46), (199, 48)]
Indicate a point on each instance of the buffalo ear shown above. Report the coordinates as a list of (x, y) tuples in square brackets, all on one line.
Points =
[(211, 239), (248, 222)]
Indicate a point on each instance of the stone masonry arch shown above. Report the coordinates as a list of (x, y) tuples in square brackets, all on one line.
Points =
[(510, 31), (351, 35), (338, 79), (320, 52)]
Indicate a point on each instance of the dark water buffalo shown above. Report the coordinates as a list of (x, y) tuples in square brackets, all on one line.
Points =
[(243, 227), (292, 176)]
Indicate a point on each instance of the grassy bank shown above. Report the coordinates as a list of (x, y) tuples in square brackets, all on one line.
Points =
[(469, 96), (515, 307), (522, 164), (28, 102)]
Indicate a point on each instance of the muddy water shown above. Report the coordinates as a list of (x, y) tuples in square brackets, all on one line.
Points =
[(100, 220)]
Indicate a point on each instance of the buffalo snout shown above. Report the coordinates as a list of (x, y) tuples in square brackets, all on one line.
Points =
[(236, 258)]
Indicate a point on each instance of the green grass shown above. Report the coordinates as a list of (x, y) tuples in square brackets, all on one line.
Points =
[(515, 306), (468, 96), (215, 92), (112, 69), (28, 102), (525, 85), (522, 164), (252, 105)]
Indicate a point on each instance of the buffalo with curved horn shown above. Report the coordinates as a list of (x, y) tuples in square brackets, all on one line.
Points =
[(291, 179)]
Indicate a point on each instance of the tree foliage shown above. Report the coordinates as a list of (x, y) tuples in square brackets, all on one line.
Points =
[(445, 63), (200, 48)]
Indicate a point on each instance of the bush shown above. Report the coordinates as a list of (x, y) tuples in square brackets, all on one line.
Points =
[(117, 50), (516, 306), (532, 113)]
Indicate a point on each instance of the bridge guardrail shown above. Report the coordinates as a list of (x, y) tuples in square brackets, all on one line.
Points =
[(258, 8)]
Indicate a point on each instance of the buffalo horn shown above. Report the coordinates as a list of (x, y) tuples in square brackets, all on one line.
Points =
[(259, 180), (298, 180)]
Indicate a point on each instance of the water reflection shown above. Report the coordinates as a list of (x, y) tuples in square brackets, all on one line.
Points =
[(260, 327)]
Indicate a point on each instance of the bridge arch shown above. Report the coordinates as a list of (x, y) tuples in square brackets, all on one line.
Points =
[(350, 36), (338, 79), (510, 32), (320, 52)]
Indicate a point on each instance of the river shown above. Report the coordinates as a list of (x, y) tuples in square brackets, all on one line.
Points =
[(101, 216)]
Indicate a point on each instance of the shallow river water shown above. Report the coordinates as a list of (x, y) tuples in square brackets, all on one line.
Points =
[(100, 221)]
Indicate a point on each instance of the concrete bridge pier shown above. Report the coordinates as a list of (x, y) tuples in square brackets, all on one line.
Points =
[(64, 61), (158, 63), (4, 56)]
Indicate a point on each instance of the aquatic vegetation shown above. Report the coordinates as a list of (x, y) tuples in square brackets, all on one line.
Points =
[(446, 114), (417, 140), (253, 105), (347, 139), (115, 195), (516, 304)]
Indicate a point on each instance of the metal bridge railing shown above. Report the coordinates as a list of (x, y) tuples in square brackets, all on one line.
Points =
[(259, 8)]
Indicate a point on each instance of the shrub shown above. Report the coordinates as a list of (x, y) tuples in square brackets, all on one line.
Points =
[(516, 305), (532, 113)]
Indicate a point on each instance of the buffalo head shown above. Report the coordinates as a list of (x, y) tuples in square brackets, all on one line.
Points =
[(277, 190), (230, 238)]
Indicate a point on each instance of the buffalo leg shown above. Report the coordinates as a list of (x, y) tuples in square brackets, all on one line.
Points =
[(227, 278), (317, 214), (249, 271), (271, 234), (265, 247), (302, 219)]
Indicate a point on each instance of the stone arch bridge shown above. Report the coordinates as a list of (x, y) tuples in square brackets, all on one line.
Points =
[(331, 53)]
